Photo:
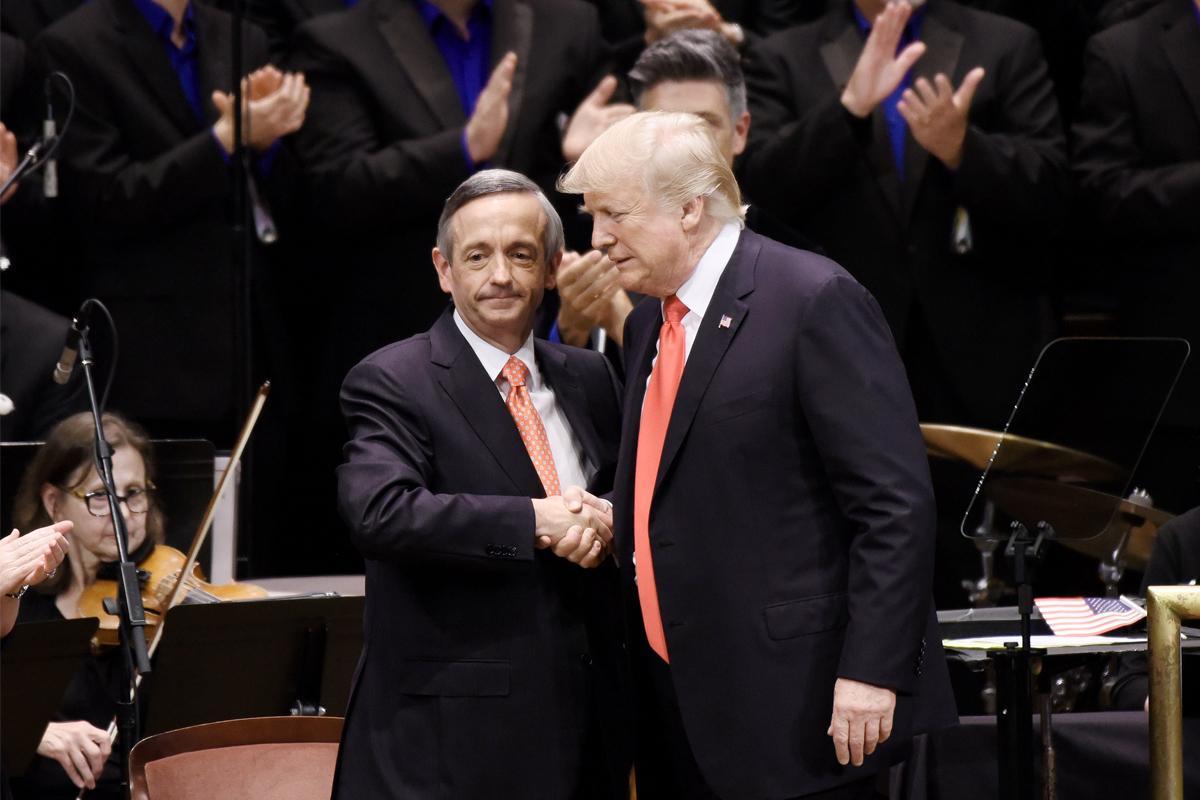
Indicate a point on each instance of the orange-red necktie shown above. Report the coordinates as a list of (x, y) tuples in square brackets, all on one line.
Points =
[(656, 414), (529, 424)]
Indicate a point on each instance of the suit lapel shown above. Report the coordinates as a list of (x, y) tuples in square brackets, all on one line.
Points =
[(213, 58), (512, 29), (942, 47), (151, 65), (712, 341), (476, 397), (840, 52), (402, 28), (569, 395), (1181, 40)]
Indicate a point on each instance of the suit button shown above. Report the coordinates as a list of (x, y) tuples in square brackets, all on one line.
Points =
[(586, 659)]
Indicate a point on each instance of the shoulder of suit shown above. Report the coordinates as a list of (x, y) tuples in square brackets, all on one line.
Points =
[(85, 24), (1127, 37), (340, 27), (986, 24), (414, 349), (781, 266)]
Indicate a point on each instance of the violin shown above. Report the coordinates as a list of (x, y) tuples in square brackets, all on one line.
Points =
[(158, 574)]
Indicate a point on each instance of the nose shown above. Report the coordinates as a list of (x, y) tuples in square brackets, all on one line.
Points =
[(602, 238), (501, 271)]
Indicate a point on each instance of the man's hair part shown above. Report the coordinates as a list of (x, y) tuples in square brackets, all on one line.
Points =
[(498, 181)]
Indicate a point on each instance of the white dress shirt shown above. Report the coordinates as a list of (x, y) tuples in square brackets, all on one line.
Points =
[(697, 291), (569, 459)]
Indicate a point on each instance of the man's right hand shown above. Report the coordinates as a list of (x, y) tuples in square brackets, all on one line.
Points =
[(576, 526), (880, 69), (485, 128), (80, 747)]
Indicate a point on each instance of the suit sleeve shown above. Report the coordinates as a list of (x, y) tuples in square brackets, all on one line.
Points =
[(358, 179), (855, 397), (385, 492), (1129, 196), (1015, 173), (108, 184), (795, 157)]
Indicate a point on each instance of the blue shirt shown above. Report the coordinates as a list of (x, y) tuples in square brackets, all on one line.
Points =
[(467, 59), (183, 59), (896, 126)]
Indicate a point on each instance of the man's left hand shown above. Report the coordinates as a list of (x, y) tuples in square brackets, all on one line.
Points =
[(593, 117), (937, 114), (862, 719)]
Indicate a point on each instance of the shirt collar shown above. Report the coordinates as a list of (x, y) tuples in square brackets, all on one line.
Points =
[(162, 23), (912, 29), (493, 358), (431, 14), (697, 291)]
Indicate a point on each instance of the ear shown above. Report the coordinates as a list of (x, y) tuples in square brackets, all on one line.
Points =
[(741, 131), (552, 265), (443, 270), (693, 213), (51, 495)]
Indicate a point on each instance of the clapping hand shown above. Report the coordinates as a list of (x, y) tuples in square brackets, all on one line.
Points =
[(28, 560), (880, 69), (592, 118), (937, 114), (275, 104), (590, 297)]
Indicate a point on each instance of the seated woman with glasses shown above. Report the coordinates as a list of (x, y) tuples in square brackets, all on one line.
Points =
[(61, 484)]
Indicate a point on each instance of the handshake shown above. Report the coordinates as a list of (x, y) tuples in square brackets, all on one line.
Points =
[(576, 526)]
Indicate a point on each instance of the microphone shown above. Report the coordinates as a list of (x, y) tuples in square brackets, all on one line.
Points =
[(66, 361), (49, 134)]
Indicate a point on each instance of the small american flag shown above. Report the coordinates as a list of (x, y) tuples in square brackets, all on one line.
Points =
[(1088, 616)]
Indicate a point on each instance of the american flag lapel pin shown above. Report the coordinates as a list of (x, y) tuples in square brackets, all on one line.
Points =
[(725, 322)]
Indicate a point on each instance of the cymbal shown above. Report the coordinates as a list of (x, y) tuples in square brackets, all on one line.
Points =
[(1085, 520), (1019, 455)]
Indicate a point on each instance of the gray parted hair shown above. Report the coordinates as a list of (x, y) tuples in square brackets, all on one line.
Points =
[(674, 155), (692, 55), (497, 181)]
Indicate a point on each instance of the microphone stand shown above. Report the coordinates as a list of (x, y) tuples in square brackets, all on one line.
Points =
[(128, 602), (31, 161)]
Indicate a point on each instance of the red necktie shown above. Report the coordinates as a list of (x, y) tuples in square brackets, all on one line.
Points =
[(529, 424), (656, 414)]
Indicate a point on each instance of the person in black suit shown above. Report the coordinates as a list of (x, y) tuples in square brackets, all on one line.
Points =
[(404, 109), (489, 656), (1136, 161), (939, 189), (145, 173), (774, 518)]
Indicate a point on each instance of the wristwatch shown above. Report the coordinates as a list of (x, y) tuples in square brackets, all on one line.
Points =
[(19, 593)]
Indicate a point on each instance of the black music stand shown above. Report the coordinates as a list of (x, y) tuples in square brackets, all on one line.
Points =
[(1099, 398), (254, 658), (39, 660)]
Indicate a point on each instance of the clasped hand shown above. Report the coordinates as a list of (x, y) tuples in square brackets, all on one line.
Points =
[(274, 104), (576, 526)]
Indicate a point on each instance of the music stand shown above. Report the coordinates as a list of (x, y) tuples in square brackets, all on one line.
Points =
[(39, 660), (256, 658), (1095, 397)]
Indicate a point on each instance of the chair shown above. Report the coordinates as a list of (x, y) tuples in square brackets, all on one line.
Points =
[(262, 758)]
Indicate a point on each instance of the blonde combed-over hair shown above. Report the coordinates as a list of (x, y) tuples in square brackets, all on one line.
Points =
[(674, 155)]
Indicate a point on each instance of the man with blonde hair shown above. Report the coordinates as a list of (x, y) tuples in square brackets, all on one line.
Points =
[(773, 515)]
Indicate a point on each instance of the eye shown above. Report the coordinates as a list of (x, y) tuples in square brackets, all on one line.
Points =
[(522, 256), (476, 257)]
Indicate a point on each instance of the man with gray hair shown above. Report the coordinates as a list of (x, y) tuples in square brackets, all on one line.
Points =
[(774, 520), (489, 653)]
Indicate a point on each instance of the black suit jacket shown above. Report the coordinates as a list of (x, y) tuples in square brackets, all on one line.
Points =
[(147, 185), (383, 148), (485, 661), (1137, 164), (836, 181), (31, 341), (792, 523)]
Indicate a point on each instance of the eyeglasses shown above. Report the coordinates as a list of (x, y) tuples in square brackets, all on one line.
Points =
[(137, 501)]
